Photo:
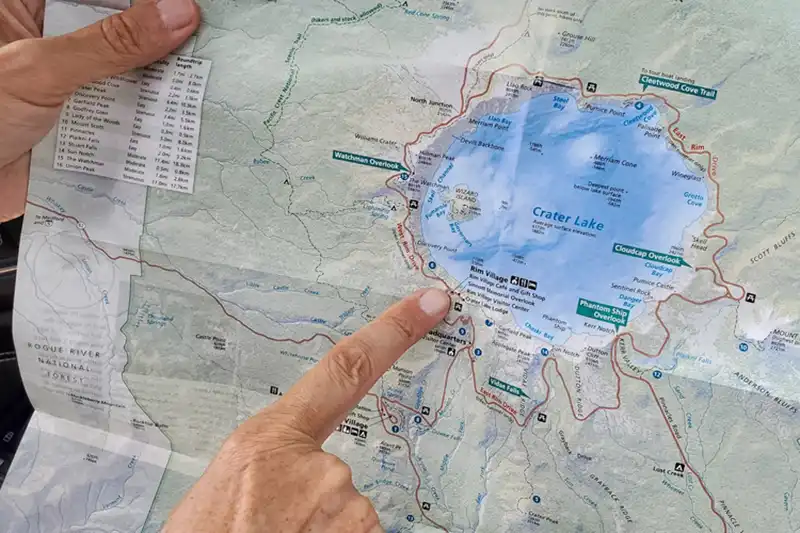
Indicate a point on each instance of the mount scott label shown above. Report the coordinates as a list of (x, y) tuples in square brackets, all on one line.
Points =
[(368, 161), (505, 387), (603, 312), (677, 86), (649, 255)]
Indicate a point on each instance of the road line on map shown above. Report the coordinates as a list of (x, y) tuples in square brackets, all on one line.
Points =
[(465, 107), (664, 326), (675, 438), (725, 284), (413, 467), (82, 227), (380, 406)]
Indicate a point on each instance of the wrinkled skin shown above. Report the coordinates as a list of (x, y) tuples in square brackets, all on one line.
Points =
[(272, 474)]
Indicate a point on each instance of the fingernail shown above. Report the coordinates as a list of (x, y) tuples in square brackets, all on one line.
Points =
[(177, 14), (434, 302)]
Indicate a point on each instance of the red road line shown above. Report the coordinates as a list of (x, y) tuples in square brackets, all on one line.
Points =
[(664, 326), (82, 227), (382, 410), (444, 393), (599, 408), (725, 284), (709, 171), (411, 462), (674, 438), (465, 106), (614, 363), (490, 401)]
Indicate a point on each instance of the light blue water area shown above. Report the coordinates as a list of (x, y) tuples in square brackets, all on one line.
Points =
[(548, 168)]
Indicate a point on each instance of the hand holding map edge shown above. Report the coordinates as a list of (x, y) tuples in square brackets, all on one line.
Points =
[(272, 474), (38, 75)]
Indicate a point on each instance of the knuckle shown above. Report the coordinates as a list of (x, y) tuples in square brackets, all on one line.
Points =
[(352, 365), (238, 448), (22, 68), (258, 438), (402, 327), (248, 440), (336, 471), (123, 35)]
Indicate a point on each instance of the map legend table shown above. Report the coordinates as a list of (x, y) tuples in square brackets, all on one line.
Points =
[(141, 127)]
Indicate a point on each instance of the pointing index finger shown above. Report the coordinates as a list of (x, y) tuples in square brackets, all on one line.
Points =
[(323, 396)]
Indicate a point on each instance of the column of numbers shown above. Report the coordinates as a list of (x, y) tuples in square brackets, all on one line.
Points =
[(187, 131), (168, 132), (63, 132)]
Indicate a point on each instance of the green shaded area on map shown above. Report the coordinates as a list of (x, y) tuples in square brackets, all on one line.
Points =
[(505, 387), (368, 161), (677, 86), (603, 312), (649, 255)]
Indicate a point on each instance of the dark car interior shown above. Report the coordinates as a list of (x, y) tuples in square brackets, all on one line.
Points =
[(15, 409)]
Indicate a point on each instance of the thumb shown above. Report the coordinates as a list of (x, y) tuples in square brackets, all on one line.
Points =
[(133, 38)]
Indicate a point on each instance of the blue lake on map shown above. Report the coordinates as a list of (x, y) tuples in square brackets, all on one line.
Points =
[(549, 190)]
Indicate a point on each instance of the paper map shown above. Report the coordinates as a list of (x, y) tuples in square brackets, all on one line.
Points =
[(609, 190)]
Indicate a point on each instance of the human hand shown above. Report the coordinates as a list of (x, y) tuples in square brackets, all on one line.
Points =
[(271, 475), (38, 75)]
